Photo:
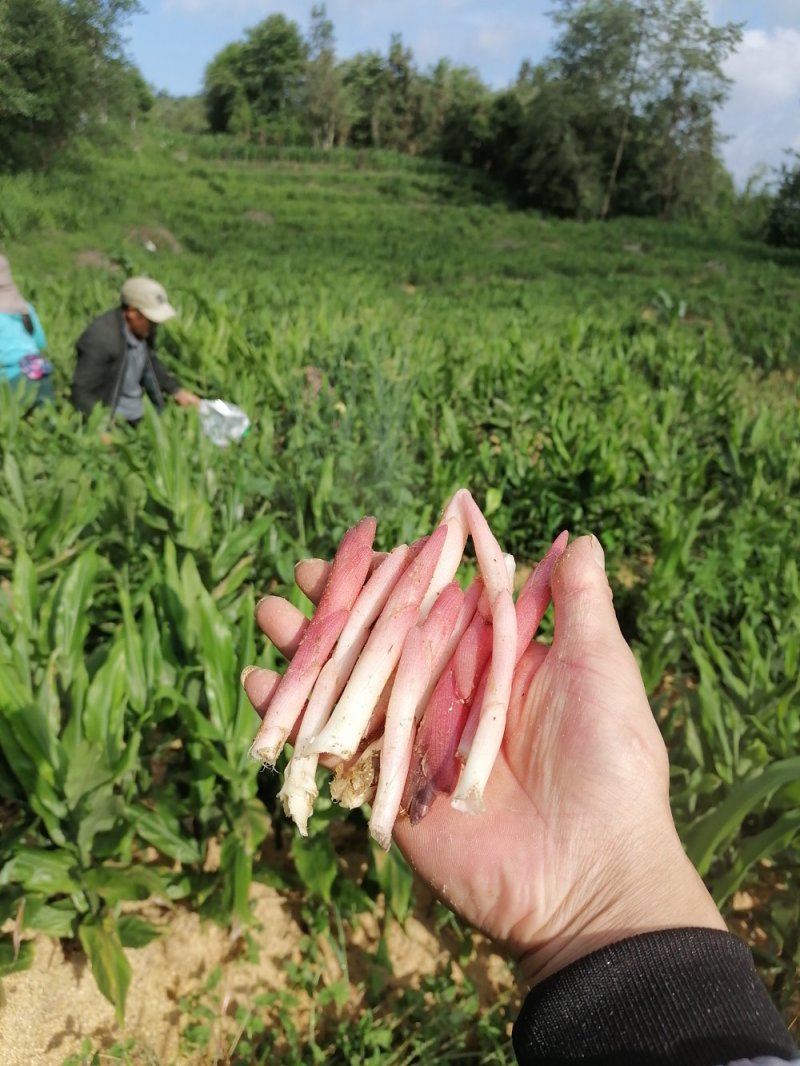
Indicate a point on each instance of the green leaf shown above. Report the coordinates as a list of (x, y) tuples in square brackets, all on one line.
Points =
[(110, 967), (395, 878), (54, 918), (161, 828), (236, 869), (219, 663), (106, 702), (39, 870), (761, 846), (114, 884), (136, 932), (14, 482), (135, 674), (9, 963), (237, 544), (70, 618), (705, 836), (25, 594), (151, 644), (316, 864), (87, 771), (324, 489), (97, 814), (494, 499)]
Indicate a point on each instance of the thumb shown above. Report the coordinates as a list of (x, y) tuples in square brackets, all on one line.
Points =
[(586, 625)]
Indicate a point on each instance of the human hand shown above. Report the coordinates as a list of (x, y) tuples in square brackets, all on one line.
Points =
[(576, 847), (186, 398)]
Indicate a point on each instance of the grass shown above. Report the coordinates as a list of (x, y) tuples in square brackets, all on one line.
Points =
[(631, 379)]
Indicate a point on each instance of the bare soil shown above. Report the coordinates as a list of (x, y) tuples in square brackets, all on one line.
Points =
[(48, 1010)]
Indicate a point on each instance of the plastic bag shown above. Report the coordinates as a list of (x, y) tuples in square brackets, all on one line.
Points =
[(223, 422)]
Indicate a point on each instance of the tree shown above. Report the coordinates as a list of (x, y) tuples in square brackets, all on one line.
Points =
[(783, 224), (454, 120), (222, 88), (259, 80), (62, 70), (362, 79), (558, 156), (399, 103), (325, 105), (183, 113), (659, 58), (273, 66)]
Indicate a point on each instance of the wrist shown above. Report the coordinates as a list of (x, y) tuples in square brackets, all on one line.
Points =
[(635, 895)]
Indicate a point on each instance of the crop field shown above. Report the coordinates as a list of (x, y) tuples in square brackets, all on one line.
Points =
[(394, 332)]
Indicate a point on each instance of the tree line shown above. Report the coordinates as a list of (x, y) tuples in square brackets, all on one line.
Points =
[(63, 75), (618, 119)]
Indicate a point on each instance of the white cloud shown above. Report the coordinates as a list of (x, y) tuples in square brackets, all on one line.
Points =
[(762, 116), (492, 44), (766, 69)]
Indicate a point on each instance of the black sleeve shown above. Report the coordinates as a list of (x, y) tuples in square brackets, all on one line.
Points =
[(92, 381), (681, 997)]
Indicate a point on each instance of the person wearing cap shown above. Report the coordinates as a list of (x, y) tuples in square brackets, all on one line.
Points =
[(22, 342), (117, 362)]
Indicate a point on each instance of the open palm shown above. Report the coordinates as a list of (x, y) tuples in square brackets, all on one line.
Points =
[(576, 845)]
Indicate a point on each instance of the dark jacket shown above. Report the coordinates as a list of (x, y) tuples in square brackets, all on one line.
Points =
[(680, 997), (102, 350)]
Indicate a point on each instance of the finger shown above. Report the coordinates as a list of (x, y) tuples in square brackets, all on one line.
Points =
[(259, 686), (586, 624), (310, 575), (282, 622), (527, 668)]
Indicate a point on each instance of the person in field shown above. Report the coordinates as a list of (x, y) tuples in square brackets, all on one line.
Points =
[(117, 363), (575, 868), (22, 342)]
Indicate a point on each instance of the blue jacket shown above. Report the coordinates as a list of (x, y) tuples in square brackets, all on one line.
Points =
[(16, 342)]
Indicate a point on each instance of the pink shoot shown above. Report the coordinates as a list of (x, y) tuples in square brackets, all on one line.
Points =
[(400, 685), (414, 674), (350, 567), (345, 728), (532, 602), (434, 766)]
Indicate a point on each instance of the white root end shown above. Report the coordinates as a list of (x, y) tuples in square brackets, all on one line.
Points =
[(268, 747), (299, 791), (470, 802), (355, 784), (381, 837)]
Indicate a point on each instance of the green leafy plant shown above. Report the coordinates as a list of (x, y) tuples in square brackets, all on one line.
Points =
[(393, 333)]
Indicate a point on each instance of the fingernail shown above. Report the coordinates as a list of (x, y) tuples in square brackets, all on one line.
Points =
[(598, 554), (246, 673), (261, 601)]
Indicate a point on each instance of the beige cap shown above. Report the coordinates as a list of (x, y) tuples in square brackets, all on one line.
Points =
[(148, 297)]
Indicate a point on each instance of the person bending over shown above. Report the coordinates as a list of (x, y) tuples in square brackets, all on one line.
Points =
[(575, 868), (22, 342), (117, 362)]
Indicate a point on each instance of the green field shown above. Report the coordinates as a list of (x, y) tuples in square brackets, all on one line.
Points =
[(632, 379)]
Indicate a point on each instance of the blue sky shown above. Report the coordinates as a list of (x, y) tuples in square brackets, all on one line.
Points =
[(173, 40)]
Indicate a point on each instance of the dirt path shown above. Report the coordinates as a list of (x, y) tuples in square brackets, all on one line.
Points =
[(49, 1009)]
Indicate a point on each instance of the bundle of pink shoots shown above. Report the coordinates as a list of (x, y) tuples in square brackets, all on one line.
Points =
[(402, 681)]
